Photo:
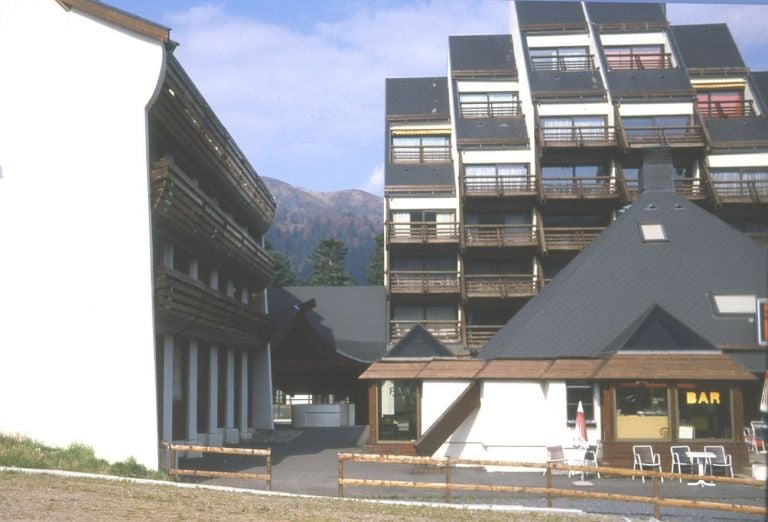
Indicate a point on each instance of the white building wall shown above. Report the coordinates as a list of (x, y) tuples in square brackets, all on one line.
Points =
[(76, 342)]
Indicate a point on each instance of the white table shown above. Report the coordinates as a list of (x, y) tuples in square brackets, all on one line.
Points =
[(700, 457)]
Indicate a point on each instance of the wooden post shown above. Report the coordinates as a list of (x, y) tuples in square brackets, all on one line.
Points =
[(448, 479), (656, 498), (341, 477), (549, 486), (172, 464), (269, 470)]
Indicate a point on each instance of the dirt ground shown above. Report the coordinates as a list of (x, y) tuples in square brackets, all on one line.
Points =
[(44, 497)]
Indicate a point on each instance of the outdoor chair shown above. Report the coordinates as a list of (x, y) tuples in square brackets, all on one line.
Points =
[(680, 458), (754, 443), (590, 459), (720, 460), (556, 455), (645, 458), (759, 432)]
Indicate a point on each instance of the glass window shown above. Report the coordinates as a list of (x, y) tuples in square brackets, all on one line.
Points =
[(580, 391), (488, 105), (642, 412), (706, 409), (421, 149), (398, 401), (560, 59), (636, 57)]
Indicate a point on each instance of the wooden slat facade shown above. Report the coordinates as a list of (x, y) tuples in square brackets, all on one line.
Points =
[(698, 367)]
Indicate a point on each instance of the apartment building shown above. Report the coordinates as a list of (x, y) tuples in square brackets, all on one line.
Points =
[(498, 174)]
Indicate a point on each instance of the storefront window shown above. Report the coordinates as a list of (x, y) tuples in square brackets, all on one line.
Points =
[(642, 412), (704, 412), (398, 410)]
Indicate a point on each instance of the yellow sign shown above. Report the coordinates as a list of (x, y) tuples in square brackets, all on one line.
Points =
[(702, 397)]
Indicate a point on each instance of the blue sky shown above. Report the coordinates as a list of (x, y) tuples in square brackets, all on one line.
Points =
[(300, 83)]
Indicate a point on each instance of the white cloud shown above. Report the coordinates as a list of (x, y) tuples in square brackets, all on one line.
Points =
[(375, 184), (308, 107)]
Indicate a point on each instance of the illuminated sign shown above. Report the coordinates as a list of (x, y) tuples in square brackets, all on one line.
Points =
[(702, 397), (762, 322)]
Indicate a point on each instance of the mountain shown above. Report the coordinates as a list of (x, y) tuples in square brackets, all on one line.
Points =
[(304, 217)]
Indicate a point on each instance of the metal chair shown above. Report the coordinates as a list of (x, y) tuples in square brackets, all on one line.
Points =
[(680, 458), (645, 458), (720, 460), (590, 459), (556, 455)]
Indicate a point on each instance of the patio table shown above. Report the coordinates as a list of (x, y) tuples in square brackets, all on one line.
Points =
[(700, 457)]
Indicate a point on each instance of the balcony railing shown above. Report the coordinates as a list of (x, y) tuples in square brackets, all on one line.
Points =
[(180, 205), (491, 109), (741, 191), (592, 187), (184, 304), (499, 186), (693, 188), (424, 282), (479, 334), (563, 63), (639, 61), (570, 136), (726, 109), (570, 238), (423, 232), (444, 330), (421, 154), (501, 285), (684, 136), (499, 235)]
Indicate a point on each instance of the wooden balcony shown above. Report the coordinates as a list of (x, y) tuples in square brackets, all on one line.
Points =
[(501, 286), (185, 305), (726, 109), (563, 63), (490, 109), (424, 282), (599, 187), (500, 236), (691, 188), (653, 137), (741, 191), (577, 137), (499, 186), (421, 154), (479, 334), (415, 232), (443, 330), (180, 205), (569, 238), (643, 61)]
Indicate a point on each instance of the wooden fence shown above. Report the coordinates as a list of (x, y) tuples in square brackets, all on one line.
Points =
[(550, 492), (175, 472)]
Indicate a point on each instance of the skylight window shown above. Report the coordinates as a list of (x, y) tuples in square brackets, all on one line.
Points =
[(653, 232), (734, 304)]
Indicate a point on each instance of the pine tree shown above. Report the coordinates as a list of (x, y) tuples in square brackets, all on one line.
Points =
[(328, 263), (284, 275), (375, 270)]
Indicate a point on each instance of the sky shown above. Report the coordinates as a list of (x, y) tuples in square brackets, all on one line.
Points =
[(299, 84)]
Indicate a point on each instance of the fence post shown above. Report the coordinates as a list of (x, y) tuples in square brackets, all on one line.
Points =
[(549, 485), (269, 470), (447, 479), (656, 498), (172, 465), (341, 476)]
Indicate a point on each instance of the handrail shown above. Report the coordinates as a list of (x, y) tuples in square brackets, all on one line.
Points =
[(563, 63), (578, 186), (581, 136), (501, 285), (570, 238), (726, 108), (423, 232), (664, 136), (447, 329), (424, 281), (499, 185), (479, 334), (499, 235), (420, 154), (638, 61), (174, 471), (490, 109)]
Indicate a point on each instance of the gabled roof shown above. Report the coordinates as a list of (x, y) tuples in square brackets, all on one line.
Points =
[(615, 281), (352, 319), (419, 343)]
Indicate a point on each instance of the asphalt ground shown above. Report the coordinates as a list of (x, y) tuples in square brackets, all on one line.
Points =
[(305, 462)]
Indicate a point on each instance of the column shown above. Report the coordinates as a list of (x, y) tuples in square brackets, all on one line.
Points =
[(244, 295), (214, 438), (194, 269), (214, 281), (244, 395), (192, 392), (261, 399), (166, 432), (231, 433), (168, 255)]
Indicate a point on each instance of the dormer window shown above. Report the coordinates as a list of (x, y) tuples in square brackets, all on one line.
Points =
[(489, 105), (734, 304)]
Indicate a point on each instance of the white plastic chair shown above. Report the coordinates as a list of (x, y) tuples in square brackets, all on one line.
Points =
[(645, 458), (720, 460), (556, 455), (680, 458)]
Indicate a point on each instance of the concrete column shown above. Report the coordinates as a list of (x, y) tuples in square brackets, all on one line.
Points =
[(261, 398), (214, 438), (231, 433), (194, 269), (230, 287), (166, 432), (243, 394), (192, 392), (168, 255), (244, 295), (214, 282)]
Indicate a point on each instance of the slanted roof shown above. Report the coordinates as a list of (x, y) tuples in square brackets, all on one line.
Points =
[(707, 47), (760, 84), (418, 342), (417, 98), (482, 54), (350, 318), (120, 18), (550, 15), (619, 15), (617, 279)]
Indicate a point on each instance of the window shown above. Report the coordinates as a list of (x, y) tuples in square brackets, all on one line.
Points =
[(561, 59), (653, 232), (741, 182), (637, 57), (489, 105), (642, 412), (421, 149), (579, 391), (398, 409), (706, 409), (502, 177), (574, 128), (574, 171), (723, 103), (423, 224), (734, 304)]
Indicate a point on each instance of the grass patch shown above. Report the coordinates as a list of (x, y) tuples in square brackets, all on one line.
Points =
[(23, 452)]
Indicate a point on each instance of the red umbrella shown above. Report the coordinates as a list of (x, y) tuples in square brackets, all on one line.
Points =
[(581, 427)]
